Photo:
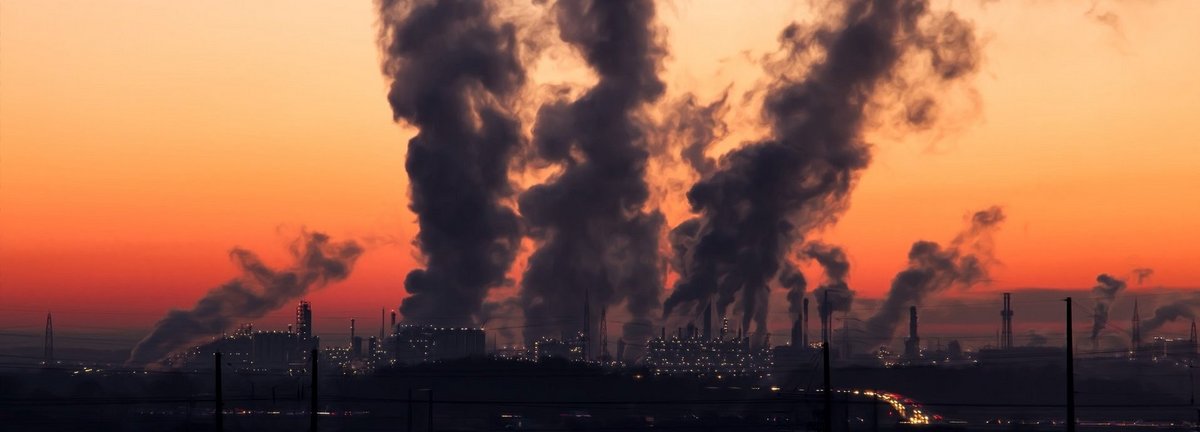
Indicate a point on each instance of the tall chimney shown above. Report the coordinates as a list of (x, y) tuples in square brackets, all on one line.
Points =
[(393, 320), (1006, 337), (1135, 330), (804, 331), (708, 321), (351, 331), (912, 346)]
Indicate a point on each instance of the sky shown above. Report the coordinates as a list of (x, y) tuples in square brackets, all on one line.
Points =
[(140, 141)]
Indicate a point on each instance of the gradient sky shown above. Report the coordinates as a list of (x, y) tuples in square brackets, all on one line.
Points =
[(141, 140)]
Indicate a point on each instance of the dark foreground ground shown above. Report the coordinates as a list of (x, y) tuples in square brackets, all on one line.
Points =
[(477, 395)]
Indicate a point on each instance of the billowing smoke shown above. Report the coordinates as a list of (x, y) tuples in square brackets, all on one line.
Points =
[(698, 126), (1104, 293), (454, 72), (1170, 312), (932, 269), (834, 295), (256, 292), (1142, 274), (594, 234), (763, 197)]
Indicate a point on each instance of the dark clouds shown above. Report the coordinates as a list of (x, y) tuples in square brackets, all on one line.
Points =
[(257, 291), (763, 197), (455, 72), (594, 234)]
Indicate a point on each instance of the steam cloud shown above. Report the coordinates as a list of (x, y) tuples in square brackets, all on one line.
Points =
[(834, 295), (765, 196), (1104, 293), (932, 269), (594, 235), (1142, 274), (256, 292), (1170, 312), (454, 71)]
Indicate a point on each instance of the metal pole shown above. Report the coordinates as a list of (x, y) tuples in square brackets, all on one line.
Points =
[(1070, 372), (825, 353), (875, 410), (218, 411), (312, 408)]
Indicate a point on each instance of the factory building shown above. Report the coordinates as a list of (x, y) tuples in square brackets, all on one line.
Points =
[(691, 354), (417, 344)]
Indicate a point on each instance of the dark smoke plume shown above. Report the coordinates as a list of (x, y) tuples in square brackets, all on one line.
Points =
[(1104, 293), (932, 269), (834, 295), (454, 72), (1142, 274), (699, 126), (594, 234), (764, 196), (1170, 312), (256, 292)]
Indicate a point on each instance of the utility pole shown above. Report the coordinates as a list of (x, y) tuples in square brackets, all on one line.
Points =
[(875, 410), (218, 411), (1070, 372), (312, 408), (825, 353)]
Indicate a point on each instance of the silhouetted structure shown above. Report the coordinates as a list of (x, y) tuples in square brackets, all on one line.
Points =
[(1006, 329), (912, 345), (304, 320), (1135, 330), (48, 344)]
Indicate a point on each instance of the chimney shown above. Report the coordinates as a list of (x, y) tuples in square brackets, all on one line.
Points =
[(708, 321), (912, 346), (393, 320), (1006, 337), (1135, 330), (351, 331), (804, 331)]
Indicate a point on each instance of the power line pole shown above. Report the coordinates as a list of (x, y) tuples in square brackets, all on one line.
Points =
[(825, 353), (1070, 372), (312, 408), (218, 411)]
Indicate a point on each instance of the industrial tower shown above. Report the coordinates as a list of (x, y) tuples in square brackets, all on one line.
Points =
[(586, 339), (48, 348), (304, 320), (1006, 329), (912, 346), (1135, 329), (604, 334)]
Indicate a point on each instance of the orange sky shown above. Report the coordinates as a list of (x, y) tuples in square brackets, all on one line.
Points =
[(140, 140)]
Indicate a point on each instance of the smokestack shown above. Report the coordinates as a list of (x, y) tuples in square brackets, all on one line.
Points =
[(351, 331), (708, 320), (620, 350), (1135, 330), (767, 195), (912, 346), (393, 322), (455, 72), (382, 322), (804, 331), (933, 269), (1006, 339), (257, 291)]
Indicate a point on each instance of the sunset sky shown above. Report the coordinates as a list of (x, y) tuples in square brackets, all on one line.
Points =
[(141, 140)]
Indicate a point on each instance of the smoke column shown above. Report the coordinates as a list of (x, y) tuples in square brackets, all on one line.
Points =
[(835, 265), (1142, 274), (256, 292), (932, 269), (594, 234), (765, 196), (1171, 312), (454, 71), (1104, 293)]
